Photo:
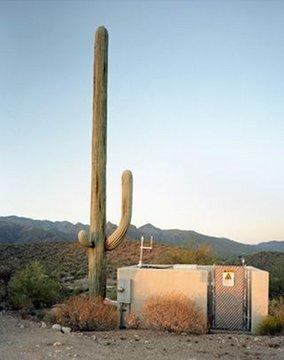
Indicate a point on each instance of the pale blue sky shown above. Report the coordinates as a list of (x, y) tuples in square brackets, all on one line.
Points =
[(195, 110)]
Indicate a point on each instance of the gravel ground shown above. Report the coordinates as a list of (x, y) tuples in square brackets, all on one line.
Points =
[(28, 340)]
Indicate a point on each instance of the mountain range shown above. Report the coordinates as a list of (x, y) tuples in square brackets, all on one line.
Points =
[(15, 230)]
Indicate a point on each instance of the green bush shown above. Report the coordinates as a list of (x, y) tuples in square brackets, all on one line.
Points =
[(271, 325), (32, 288), (111, 293)]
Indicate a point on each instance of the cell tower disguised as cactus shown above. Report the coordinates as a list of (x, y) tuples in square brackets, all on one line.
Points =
[(97, 241)]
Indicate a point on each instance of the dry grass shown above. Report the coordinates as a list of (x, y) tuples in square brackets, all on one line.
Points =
[(273, 323), (132, 321), (173, 312), (276, 307), (84, 314)]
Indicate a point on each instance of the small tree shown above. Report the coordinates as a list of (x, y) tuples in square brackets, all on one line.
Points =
[(32, 288)]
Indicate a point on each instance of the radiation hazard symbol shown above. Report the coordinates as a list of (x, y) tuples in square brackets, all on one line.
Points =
[(228, 278)]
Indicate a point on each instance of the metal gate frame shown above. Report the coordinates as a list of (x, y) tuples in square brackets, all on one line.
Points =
[(211, 304)]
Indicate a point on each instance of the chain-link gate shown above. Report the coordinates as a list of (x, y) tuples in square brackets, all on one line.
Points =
[(228, 298)]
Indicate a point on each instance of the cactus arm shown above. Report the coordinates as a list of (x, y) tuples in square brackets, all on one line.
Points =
[(126, 210), (83, 238)]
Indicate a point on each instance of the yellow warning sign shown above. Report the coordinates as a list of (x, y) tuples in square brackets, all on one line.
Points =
[(228, 278)]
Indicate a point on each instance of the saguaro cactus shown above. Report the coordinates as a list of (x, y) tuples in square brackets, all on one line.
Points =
[(97, 241)]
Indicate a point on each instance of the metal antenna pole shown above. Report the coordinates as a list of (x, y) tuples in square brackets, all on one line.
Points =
[(142, 247)]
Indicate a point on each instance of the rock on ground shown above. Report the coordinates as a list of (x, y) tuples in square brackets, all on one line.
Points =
[(32, 342)]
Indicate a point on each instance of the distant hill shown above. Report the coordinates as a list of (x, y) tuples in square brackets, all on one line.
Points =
[(15, 230), (271, 246)]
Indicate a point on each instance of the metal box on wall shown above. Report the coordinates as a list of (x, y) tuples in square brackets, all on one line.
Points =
[(124, 291)]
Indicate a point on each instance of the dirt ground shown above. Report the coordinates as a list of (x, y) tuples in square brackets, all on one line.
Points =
[(28, 340)]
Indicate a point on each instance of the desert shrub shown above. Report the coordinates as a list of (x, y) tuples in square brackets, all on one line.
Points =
[(111, 292), (200, 255), (173, 312), (85, 314), (32, 288), (271, 325), (274, 322), (276, 307), (132, 321)]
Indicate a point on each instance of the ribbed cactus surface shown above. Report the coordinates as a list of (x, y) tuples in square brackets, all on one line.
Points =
[(96, 240)]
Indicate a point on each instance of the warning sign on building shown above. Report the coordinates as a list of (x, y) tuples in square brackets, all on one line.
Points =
[(228, 278)]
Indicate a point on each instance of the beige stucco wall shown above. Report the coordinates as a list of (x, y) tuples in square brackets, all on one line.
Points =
[(148, 282), (259, 296), (192, 281)]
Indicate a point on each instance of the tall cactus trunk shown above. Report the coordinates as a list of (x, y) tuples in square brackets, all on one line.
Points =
[(97, 254), (96, 241)]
